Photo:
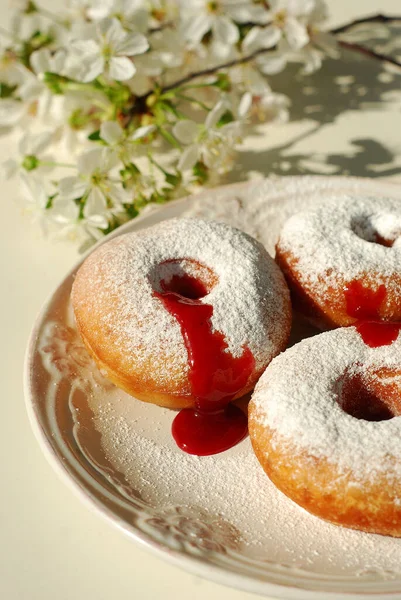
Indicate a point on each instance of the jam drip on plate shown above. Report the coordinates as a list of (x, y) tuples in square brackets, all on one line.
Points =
[(216, 376), (364, 305)]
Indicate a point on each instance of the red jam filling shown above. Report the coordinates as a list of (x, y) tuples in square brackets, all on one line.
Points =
[(216, 376), (364, 304)]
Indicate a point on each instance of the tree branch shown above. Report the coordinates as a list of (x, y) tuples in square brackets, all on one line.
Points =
[(369, 53), (380, 18), (213, 70)]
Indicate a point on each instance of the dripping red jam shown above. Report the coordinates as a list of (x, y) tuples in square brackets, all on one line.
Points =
[(364, 304), (213, 425)]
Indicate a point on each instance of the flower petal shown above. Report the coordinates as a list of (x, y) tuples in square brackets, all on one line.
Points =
[(98, 221), (111, 132), (121, 68), (85, 47), (132, 44), (188, 158), (40, 60), (96, 202), (111, 31), (11, 111), (91, 68), (90, 161), (194, 29), (296, 34), (216, 113), (64, 211), (9, 168), (71, 188), (186, 131), (142, 132), (259, 37), (244, 105), (33, 190), (272, 63), (225, 31)]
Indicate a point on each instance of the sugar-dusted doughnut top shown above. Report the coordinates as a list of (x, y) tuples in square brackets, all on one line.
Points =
[(345, 239), (332, 397), (114, 290)]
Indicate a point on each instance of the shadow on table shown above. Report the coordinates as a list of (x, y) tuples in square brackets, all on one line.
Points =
[(351, 82)]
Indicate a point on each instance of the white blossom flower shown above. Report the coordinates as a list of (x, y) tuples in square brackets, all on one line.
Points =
[(109, 53), (290, 19), (245, 11), (133, 14), (25, 24), (10, 68), (123, 144), (36, 200), (11, 112), (30, 153), (210, 142), (102, 195), (70, 224), (202, 16)]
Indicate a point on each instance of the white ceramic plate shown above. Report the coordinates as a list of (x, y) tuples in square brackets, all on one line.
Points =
[(219, 516)]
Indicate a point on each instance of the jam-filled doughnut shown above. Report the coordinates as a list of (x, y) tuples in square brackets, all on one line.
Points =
[(325, 424), (187, 313), (342, 261)]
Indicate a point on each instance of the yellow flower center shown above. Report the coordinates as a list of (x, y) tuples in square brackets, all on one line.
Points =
[(280, 18), (212, 7)]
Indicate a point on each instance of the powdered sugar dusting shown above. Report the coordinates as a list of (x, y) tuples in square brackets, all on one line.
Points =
[(250, 299), (336, 242), (302, 407), (233, 486), (267, 204)]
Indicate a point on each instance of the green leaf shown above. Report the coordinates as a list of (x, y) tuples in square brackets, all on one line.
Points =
[(50, 201), (173, 179), (227, 117), (200, 172), (131, 211), (95, 136), (223, 82), (7, 90)]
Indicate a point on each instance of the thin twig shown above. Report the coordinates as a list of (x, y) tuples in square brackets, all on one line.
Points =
[(213, 70), (380, 18), (369, 52)]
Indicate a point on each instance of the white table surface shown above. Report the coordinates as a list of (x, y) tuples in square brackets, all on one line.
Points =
[(52, 547)]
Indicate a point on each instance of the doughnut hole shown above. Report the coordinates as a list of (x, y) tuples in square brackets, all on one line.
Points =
[(370, 395), (185, 277), (378, 228)]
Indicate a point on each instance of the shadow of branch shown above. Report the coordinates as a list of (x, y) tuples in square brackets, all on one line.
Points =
[(349, 83)]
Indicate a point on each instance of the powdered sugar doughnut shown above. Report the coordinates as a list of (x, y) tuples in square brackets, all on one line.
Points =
[(118, 300), (325, 424), (342, 260)]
